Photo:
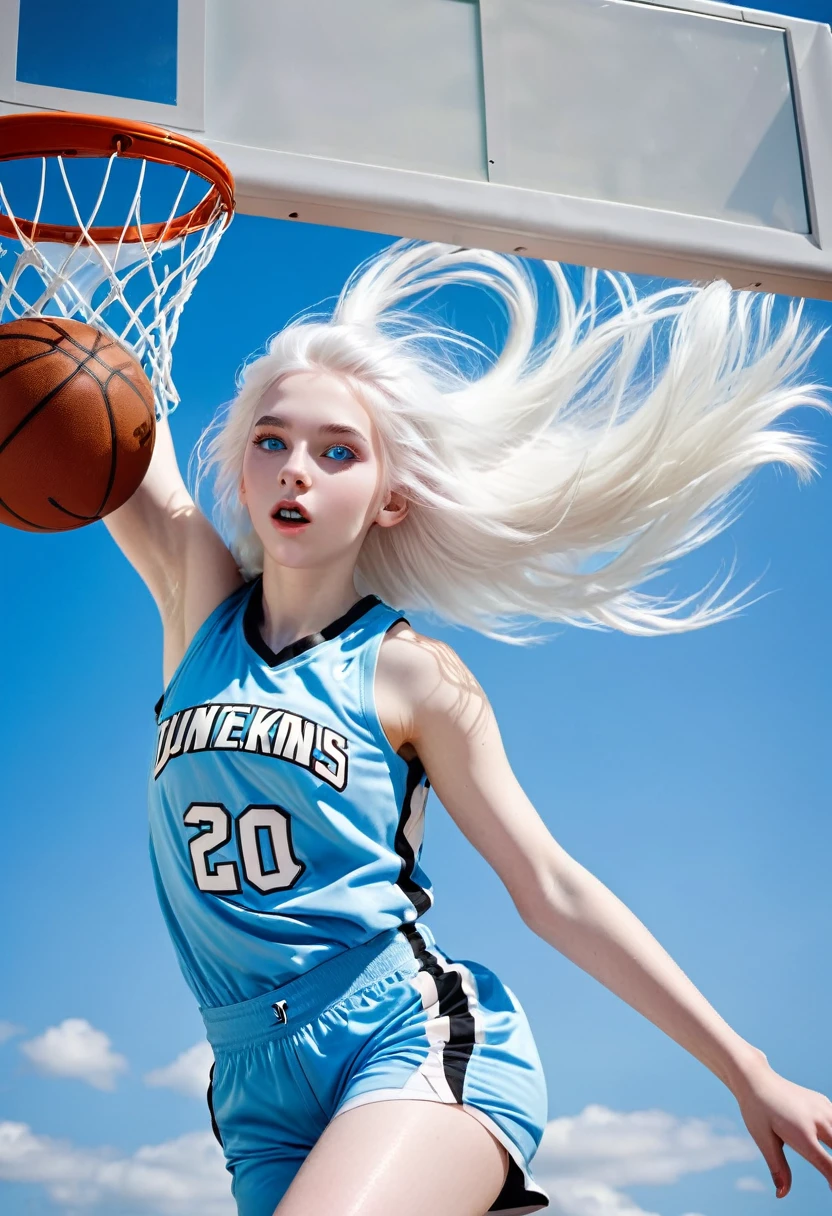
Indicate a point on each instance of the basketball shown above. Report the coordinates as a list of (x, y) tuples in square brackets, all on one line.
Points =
[(77, 424)]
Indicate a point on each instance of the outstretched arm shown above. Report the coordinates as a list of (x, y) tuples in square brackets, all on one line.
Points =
[(454, 731), (179, 555)]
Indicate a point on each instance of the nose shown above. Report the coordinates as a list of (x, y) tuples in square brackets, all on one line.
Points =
[(295, 471), (295, 479)]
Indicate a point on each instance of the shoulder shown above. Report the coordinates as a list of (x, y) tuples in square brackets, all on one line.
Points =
[(420, 679), (420, 659)]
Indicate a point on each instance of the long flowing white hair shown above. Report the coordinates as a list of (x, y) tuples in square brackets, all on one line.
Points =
[(553, 479)]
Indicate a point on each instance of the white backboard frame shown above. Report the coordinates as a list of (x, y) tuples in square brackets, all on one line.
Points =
[(468, 209)]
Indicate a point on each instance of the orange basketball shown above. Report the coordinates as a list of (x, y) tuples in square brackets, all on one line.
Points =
[(77, 424)]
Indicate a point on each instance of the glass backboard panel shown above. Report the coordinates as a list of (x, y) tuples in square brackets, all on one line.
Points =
[(121, 50), (656, 107)]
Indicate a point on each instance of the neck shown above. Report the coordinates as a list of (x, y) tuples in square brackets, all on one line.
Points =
[(300, 602)]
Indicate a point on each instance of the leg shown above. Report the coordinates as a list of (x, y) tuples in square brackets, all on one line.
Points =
[(402, 1156)]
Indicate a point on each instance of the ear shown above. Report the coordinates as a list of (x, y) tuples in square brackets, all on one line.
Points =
[(393, 511), (241, 491)]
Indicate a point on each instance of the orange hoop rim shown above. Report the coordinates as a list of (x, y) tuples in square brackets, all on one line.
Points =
[(56, 133)]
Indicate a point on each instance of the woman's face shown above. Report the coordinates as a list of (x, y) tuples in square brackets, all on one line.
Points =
[(314, 446)]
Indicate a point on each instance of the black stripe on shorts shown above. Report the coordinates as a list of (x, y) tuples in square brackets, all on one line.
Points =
[(453, 1004)]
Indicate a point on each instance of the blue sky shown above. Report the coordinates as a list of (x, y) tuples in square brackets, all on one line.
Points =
[(690, 773)]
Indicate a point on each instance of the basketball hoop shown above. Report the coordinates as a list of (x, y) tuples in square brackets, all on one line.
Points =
[(130, 279)]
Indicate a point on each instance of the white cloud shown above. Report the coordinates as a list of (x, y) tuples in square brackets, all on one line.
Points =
[(187, 1074), (583, 1197), (750, 1184), (585, 1160), (8, 1030), (76, 1049), (182, 1177)]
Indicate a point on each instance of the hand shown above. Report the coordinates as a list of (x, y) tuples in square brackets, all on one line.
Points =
[(778, 1112)]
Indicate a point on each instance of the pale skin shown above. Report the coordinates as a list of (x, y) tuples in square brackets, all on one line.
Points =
[(371, 1159)]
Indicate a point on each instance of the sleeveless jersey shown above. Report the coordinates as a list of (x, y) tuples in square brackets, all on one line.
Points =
[(283, 826)]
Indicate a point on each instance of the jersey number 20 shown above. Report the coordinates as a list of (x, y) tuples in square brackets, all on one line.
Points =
[(252, 826)]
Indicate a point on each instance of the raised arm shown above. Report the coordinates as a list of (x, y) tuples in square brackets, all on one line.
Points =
[(446, 716), (179, 555)]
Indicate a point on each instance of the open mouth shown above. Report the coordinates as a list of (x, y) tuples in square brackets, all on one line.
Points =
[(290, 517)]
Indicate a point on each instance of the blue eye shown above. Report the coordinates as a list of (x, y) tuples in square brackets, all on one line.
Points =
[(266, 443), (340, 447)]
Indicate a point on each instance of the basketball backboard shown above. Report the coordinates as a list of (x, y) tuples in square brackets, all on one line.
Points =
[(684, 138)]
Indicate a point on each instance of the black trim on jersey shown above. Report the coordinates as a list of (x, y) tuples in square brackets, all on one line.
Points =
[(253, 619), (453, 1004), (214, 1127), (417, 895)]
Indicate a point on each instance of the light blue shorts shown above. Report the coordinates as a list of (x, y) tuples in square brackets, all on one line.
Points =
[(391, 1019)]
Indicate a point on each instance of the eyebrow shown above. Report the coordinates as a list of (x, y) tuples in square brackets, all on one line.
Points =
[(331, 428)]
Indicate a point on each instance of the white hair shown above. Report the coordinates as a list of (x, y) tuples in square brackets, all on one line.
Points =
[(551, 480)]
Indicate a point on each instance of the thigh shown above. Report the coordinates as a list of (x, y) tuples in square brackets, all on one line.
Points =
[(401, 1156)]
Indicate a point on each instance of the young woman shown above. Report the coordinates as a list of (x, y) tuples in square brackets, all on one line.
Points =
[(371, 460)]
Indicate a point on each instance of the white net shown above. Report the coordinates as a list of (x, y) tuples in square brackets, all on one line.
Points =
[(133, 290)]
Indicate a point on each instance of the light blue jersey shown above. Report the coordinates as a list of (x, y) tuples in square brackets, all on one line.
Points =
[(284, 828), (285, 840)]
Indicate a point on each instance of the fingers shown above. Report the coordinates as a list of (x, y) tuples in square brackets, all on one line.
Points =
[(779, 1113), (810, 1149), (776, 1161), (817, 1157), (782, 1177)]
